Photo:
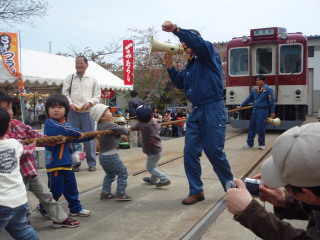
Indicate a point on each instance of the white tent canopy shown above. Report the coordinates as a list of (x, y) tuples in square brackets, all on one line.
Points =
[(44, 71)]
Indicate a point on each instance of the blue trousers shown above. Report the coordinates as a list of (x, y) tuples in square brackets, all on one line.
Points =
[(206, 126), (64, 182), (152, 168), (113, 166), (85, 123), (257, 124), (14, 220)]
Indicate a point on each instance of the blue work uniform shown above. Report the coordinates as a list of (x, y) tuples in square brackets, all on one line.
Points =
[(261, 99), (202, 82)]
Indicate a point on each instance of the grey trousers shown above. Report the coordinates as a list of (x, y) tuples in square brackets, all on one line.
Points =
[(42, 192), (135, 136), (85, 123)]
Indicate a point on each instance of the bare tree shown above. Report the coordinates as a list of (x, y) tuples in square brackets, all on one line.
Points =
[(21, 11), (151, 75)]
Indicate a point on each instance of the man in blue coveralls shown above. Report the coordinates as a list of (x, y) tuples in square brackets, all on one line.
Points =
[(261, 98), (202, 82)]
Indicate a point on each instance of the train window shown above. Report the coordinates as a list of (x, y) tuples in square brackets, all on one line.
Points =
[(310, 51), (264, 60), (239, 61), (290, 58)]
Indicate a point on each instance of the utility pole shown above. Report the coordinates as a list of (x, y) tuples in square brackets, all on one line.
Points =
[(50, 47), (22, 107)]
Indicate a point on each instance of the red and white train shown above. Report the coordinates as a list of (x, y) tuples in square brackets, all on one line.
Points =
[(282, 58)]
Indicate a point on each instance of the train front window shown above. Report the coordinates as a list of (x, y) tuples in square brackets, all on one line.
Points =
[(290, 59), (264, 60), (239, 61)]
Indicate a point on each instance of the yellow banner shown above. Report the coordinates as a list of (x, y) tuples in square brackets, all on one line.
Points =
[(10, 57)]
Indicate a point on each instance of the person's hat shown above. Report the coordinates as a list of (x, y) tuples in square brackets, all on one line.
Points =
[(97, 111), (144, 113), (295, 158)]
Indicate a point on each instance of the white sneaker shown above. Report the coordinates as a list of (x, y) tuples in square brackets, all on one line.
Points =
[(246, 146), (261, 147), (82, 213)]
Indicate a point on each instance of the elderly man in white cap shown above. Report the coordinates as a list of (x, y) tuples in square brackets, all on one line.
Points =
[(294, 165)]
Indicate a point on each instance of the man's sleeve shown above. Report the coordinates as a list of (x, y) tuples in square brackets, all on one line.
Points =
[(66, 88), (176, 78), (96, 93), (271, 101), (266, 225), (293, 209), (248, 100)]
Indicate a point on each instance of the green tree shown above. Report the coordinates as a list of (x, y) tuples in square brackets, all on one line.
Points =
[(21, 11)]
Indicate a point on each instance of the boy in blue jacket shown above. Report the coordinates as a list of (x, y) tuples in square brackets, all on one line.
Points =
[(61, 178)]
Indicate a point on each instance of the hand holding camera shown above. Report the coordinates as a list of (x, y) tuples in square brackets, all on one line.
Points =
[(239, 194), (237, 199), (251, 184), (275, 196)]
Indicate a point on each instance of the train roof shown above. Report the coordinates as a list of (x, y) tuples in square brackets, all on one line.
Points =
[(266, 35), (313, 36)]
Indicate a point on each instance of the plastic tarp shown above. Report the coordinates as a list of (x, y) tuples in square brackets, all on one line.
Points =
[(43, 72)]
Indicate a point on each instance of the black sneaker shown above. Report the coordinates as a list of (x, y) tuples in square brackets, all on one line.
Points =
[(147, 180), (92, 169), (162, 184), (43, 212), (76, 168), (68, 223), (123, 197)]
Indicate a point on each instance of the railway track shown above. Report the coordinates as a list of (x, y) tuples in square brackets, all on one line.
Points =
[(181, 222), (211, 216)]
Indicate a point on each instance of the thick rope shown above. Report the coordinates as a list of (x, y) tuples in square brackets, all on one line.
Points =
[(237, 110), (59, 138)]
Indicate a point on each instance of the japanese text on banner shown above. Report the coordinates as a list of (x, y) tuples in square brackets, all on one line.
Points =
[(128, 62), (10, 56)]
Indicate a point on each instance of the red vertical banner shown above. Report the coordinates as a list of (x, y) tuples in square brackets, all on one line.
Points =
[(10, 57), (128, 62)]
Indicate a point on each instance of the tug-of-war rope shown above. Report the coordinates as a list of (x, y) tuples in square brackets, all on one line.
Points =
[(59, 138)]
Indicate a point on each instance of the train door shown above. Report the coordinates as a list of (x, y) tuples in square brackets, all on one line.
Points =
[(312, 110), (263, 59)]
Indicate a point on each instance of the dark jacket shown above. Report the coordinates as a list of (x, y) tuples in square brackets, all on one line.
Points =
[(263, 99), (201, 77), (134, 103), (267, 225), (109, 142), (151, 142)]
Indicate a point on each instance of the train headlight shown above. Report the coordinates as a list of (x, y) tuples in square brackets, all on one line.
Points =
[(283, 35), (232, 95), (297, 95), (244, 39)]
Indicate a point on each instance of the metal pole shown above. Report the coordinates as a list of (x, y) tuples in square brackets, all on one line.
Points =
[(21, 97)]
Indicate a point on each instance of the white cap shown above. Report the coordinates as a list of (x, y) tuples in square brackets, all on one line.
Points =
[(97, 111), (295, 158)]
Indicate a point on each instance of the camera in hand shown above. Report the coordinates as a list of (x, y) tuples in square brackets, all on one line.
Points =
[(251, 184)]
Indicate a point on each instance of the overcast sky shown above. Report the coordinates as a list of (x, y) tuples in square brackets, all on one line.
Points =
[(93, 23)]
